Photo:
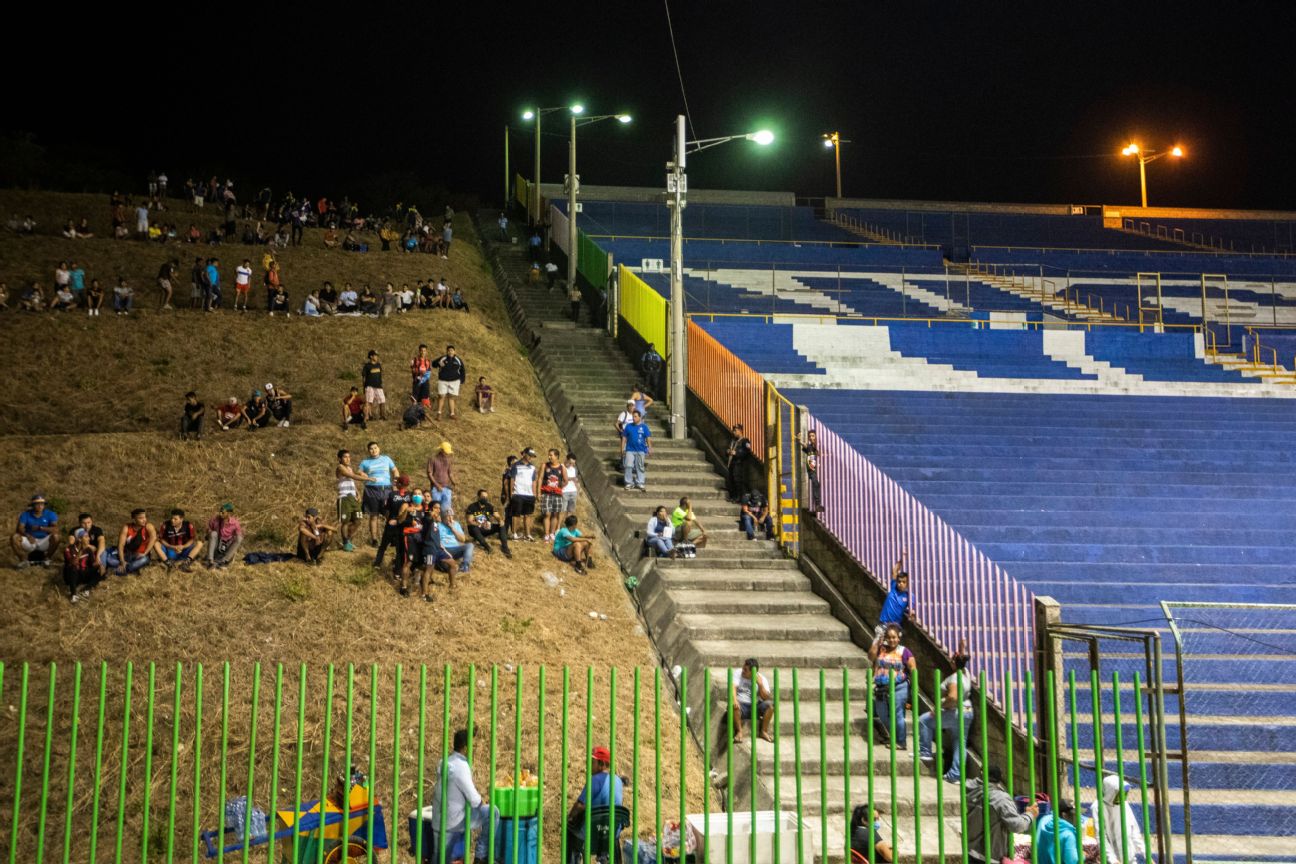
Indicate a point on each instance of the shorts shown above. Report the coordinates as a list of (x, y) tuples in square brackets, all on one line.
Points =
[(375, 396), (447, 388), (243, 289), (564, 554), (165, 285), (348, 509), (551, 503), (375, 499), (31, 544), (569, 502), (523, 505), (745, 710), (177, 554)]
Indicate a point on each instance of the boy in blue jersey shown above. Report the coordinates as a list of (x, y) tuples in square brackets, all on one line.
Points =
[(635, 448), (895, 609)]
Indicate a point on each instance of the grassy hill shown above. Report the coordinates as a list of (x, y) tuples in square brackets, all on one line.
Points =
[(90, 419)]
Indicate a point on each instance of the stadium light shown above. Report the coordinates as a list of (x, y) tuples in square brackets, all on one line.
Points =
[(573, 182), (676, 191), (834, 141), (1144, 157), (533, 206)]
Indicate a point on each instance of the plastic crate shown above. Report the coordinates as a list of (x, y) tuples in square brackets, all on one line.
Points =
[(526, 805)]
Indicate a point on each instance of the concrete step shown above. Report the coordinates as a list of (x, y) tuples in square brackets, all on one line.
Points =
[(903, 800), (802, 626), (834, 759), (745, 603), (681, 581), (724, 560), (811, 654)]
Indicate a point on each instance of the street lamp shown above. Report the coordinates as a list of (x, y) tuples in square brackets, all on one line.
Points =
[(1146, 156), (535, 114), (573, 182), (834, 140), (676, 190)]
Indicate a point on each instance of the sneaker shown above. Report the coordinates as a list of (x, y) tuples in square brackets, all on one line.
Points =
[(508, 553), (23, 565), (348, 547), (485, 547), (404, 592), (427, 598), (579, 568), (75, 598), (589, 562), (186, 567)]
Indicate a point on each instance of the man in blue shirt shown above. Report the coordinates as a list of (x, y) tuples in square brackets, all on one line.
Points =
[(36, 534), (455, 542), (377, 489), (211, 288), (635, 448), (895, 610), (604, 789)]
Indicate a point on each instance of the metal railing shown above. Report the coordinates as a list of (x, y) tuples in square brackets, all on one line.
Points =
[(149, 758), (729, 387)]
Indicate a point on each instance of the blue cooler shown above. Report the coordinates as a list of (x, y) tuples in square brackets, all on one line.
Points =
[(431, 854), (527, 843)]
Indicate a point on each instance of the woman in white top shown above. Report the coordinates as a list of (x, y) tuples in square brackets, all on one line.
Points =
[(570, 489), (661, 534)]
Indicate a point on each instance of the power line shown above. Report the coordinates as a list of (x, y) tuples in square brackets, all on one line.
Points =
[(678, 72)]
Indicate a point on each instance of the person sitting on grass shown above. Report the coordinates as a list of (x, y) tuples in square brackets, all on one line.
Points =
[(134, 543), (348, 301), (4, 297), (353, 409), (328, 299), (369, 303), (224, 536), (311, 305), (36, 536), (279, 302), (570, 546), (313, 536), (94, 298), (483, 521), (866, 833), (754, 513), (257, 411), (64, 300), (485, 396), (230, 414), (661, 535), (416, 415), (191, 417), (750, 688), (687, 528), (454, 541), (179, 544), (123, 297), (280, 401), (32, 299), (82, 569)]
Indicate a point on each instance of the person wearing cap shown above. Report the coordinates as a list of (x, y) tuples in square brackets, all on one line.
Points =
[(626, 417), (440, 474), (520, 483), (751, 688), (224, 536), (256, 411), (230, 414), (379, 469), (398, 503), (603, 789), (450, 375), (178, 543), (36, 534), (313, 536), (134, 543), (280, 404)]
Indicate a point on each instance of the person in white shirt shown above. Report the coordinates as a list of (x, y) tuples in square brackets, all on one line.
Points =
[(951, 687), (465, 808), (661, 534), (751, 687), (406, 295), (242, 285), (348, 301)]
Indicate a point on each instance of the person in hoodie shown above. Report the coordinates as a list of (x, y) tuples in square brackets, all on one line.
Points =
[(1113, 805), (1056, 839), (1004, 818)]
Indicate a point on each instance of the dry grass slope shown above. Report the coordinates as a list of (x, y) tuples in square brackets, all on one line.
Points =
[(90, 418)]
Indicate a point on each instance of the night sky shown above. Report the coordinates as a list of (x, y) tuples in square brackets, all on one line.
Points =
[(957, 101)]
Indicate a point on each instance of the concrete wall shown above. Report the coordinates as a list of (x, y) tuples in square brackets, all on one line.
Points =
[(1116, 212)]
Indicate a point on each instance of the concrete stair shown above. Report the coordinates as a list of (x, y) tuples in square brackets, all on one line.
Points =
[(737, 599)]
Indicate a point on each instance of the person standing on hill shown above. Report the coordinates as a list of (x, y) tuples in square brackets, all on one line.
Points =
[(810, 449), (212, 299), (520, 484), (421, 373), (450, 376), (553, 476), (374, 397), (440, 474), (348, 498), (166, 282), (197, 283), (242, 285), (380, 471)]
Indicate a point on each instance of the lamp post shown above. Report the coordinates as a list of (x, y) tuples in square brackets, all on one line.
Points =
[(1146, 156), (533, 205), (573, 182), (676, 191), (834, 140)]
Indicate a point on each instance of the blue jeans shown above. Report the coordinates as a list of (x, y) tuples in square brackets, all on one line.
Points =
[(661, 545), (443, 496), (463, 554), (748, 524), (948, 721), (634, 468), (478, 817), (122, 304), (883, 716), (112, 561)]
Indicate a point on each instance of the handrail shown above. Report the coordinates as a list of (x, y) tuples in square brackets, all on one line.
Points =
[(1220, 253), (757, 241), (974, 323)]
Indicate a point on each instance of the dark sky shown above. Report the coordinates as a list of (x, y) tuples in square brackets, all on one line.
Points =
[(963, 101)]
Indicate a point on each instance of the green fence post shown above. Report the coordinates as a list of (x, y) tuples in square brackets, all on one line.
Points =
[(124, 769), (98, 768), (870, 705), (751, 775), (443, 772), (420, 761), (612, 706), (494, 744), (962, 766), (540, 762), (517, 760), (562, 765), (18, 761), (1095, 699), (148, 765), (301, 752), (1142, 756), (45, 765), (846, 754), (72, 754), (175, 766), (275, 743), (823, 765), (1050, 705), (985, 761), (1029, 691), (1075, 741), (589, 764), (895, 781), (347, 764), (472, 704), (917, 769), (224, 760), (938, 708), (1120, 765), (796, 762), (398, 691), (372, 773), (324, 768), (197, 772), (778, 769), (657, 766), (251, 775), (706, 756), (683, 768), (729, 746), (634, 768)]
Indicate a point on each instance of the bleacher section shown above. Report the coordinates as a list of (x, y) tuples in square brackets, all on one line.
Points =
[(717, 221), (1061, 262), (1243, 235), (1111, 504), (710, 253)]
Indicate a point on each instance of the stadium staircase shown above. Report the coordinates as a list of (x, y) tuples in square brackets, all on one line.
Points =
[(1020, 288), (737, 599), (860, 230)]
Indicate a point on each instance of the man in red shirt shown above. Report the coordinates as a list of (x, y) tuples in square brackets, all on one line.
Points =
[(353, 409), (179, 543), (421, 372)]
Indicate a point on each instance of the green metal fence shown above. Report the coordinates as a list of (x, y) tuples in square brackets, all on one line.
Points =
[(136, 763)]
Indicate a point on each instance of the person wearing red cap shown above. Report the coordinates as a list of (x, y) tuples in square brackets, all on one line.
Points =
[(603, 789)]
